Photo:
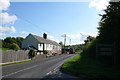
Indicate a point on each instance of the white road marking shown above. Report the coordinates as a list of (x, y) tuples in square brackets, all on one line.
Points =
[(19, 71), (57, 67), (54, 70), (49, 73)]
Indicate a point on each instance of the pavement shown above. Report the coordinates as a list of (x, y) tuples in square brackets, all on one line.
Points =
[(46, 68)]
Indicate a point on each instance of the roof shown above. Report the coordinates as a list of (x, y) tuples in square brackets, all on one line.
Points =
[(42, 40)]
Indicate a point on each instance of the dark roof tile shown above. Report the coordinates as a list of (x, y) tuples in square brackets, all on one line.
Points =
[(42, 40)]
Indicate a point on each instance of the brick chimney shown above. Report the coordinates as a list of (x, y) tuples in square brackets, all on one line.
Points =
[(45, 36)]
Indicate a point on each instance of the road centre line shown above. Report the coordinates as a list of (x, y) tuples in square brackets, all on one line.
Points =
[(19, 71)]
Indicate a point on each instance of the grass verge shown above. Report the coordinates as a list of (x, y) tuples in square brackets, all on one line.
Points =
[(16, 62), (4, 49), (82, 66)]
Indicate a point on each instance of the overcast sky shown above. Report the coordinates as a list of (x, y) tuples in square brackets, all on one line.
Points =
[(55, 18)]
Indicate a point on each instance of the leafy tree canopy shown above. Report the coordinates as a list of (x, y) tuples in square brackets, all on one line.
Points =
[(14, 46), (12, 41), (109, 29)]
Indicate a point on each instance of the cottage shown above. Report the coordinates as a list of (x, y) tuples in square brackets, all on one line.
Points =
[(41, 44)]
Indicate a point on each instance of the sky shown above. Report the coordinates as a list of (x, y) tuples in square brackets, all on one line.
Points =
[(76, 19)]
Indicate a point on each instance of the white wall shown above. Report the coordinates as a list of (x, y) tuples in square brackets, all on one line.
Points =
[(40, 46), (48, 47)]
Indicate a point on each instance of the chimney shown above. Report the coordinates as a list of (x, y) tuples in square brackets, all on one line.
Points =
[(45, 36)]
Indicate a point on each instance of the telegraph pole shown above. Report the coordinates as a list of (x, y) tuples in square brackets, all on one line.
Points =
[(64, 39), (70, 42)]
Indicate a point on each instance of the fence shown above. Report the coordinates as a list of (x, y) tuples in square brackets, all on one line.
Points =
[(11, 55)]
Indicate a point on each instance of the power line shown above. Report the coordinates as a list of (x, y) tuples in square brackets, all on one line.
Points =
[(65, 39), (30, 22), (33, 24)]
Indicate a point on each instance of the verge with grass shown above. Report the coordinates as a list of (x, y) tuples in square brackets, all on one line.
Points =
[(4, 49), (83, 66), (15, 62)]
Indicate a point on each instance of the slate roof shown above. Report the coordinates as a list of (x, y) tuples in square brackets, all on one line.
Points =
[(42, 40)]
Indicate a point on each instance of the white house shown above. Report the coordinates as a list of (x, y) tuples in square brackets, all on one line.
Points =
[(41, 44)]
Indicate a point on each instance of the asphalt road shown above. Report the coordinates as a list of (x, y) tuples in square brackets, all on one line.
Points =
[(40, 68)]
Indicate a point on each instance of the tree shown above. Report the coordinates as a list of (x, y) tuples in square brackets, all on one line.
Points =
[(8, 41), (61, 44), (19, 40), (14, 46), (109, 29), (89, 39)]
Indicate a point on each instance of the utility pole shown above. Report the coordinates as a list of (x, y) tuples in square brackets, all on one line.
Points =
[(70, 42), (64, 39)]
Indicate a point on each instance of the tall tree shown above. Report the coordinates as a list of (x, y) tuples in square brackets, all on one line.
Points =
[(61, 44), (19, 40), (14, 46), (109, 29), (89, 39), (8, 41)]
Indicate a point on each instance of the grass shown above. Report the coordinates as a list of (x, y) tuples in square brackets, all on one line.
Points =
[(9, 63), (4, 49), (81, 65)]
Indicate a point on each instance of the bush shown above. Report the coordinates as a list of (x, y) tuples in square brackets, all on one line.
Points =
[(31, 53), (90, 48), (64, 51), (14, 46), (45, 52)]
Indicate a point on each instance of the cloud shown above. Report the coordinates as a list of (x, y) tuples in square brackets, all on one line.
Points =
[(23, 34), (99, 4), (50, 0), (7, 29), (6, 18), (77, 38), (78, 35), (4, 5), (53, 38), (2, 35), (114, 0), (72, 36)]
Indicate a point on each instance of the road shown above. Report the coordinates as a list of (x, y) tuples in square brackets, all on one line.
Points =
[(40, 68)]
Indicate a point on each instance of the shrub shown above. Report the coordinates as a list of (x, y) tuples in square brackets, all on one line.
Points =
[(90, 48), (14, 46), (31, 53), (45, 52), (64, 51)]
